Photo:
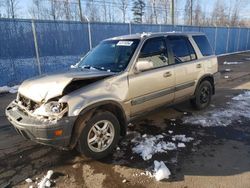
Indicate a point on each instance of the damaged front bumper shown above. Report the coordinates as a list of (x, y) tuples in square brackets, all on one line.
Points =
[(53, 133)]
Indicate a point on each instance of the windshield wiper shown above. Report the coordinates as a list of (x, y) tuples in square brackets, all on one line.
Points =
[(94, 67)]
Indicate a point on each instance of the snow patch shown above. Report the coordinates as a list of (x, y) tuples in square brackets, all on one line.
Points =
[(161, 171), (181, 145), (232, 63), (147, 145), (46, 181), (239, 107), (182, 138), (8, 89), (28, 180)]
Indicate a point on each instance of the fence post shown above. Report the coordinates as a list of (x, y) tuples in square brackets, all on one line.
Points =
[(215, 39), (228, 30), (247, 38), (90, 37), (129, 27), (238, 43), (36, 47)]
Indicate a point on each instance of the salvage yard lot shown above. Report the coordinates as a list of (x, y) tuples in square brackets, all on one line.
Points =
[(210, 148)]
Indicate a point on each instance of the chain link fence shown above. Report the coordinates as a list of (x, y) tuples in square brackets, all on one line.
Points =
[(29, 48)]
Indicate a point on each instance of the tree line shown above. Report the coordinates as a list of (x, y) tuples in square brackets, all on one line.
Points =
[(188, 12)]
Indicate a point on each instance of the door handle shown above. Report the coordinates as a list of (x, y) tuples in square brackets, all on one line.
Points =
[(198, 66), (167, 74)]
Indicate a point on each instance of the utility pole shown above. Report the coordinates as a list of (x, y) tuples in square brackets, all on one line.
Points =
[(191, 13), (80, 10), (172, 11)]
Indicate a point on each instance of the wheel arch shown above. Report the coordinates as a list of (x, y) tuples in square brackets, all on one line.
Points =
[(88, 112), (206, 77)]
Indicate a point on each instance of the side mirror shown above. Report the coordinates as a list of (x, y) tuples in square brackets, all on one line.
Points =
[(143, 65)]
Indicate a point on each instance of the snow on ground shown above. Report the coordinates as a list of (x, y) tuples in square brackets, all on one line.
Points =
[(46, 181), (239, 107), (182, 138), (7, 89), (147, 145), (181, 145), (161, 171), (232, 63)]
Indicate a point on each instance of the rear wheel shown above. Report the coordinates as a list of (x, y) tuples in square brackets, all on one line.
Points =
[(203, 95), (100, 135)]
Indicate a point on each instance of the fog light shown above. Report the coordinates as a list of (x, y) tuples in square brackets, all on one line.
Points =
[(58, 132)]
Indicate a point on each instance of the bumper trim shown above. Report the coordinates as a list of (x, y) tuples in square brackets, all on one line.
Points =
[(39, 130)]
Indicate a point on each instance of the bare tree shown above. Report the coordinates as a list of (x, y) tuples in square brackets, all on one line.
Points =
[(166, 6), (67, 10), (154, 11), (138, 10), (11, 8), (234, 13), (92, 11), (198, 15), (219, 16), (123, 5), (187, 19), (1, 5), (36, 9), (105, 11), (55, 9)]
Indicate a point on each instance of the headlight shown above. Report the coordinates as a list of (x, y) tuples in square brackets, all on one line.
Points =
[(50, 109)]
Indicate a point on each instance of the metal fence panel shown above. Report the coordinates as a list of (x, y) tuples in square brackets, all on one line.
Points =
[(243, 39), (59, 40), (61, 43), (139, 28), (101, 31), (221, 43), (233, 38), (210, 33), (16, 45), (167, 28)]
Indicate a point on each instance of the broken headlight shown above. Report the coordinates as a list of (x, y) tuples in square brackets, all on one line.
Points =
[(51, 109)]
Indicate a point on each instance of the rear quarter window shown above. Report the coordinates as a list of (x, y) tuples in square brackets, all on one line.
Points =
[(203, 44)]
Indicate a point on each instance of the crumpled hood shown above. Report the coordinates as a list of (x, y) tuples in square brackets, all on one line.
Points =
[(45, 87)]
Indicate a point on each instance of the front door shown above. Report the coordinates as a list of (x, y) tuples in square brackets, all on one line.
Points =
[(154, 87)]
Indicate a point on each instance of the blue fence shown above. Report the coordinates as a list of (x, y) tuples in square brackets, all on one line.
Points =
[(61, 43)]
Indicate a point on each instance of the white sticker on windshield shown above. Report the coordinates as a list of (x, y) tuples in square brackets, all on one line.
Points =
[(124, 43)]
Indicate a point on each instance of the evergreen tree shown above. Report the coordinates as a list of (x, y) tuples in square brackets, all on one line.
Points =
[(138, 10)]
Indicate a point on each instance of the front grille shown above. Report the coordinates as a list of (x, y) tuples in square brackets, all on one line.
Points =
[(27, 103)]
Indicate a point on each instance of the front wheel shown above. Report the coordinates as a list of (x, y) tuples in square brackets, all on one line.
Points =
[(203, 95), (100, 135)]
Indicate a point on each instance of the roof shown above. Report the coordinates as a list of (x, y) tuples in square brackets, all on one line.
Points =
[(155, 34)]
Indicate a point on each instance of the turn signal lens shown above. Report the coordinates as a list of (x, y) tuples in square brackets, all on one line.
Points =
[(58, 132)]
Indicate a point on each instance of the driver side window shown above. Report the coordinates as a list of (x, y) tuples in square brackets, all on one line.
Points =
[(155, 50)]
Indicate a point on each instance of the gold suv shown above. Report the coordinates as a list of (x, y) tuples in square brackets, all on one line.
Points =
[(90, 106)]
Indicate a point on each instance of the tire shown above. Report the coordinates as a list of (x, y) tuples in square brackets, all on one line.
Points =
[(203, 95), (88, 143)]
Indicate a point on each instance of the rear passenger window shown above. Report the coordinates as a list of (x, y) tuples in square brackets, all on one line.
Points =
[(182, 49), (203, 45)]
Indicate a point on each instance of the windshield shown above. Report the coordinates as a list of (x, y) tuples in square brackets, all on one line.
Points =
[(111, 55)]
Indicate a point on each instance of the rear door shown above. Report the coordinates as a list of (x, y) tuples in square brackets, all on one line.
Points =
[(188, 68), (154, 87)]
